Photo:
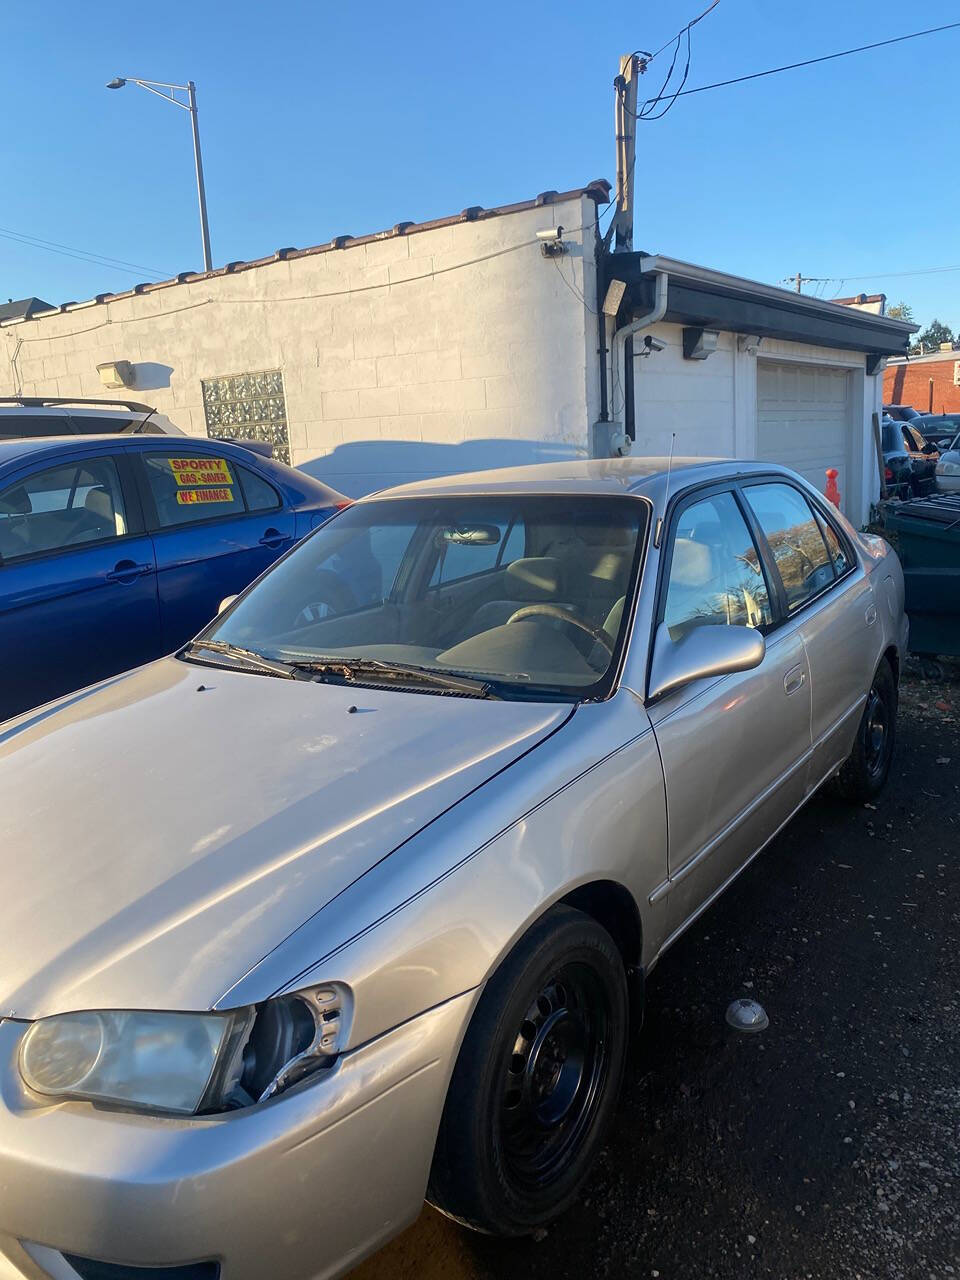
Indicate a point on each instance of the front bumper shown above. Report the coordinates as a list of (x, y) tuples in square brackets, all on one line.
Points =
[(301, 1187)]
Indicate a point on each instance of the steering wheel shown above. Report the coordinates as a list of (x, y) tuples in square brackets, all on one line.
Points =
[(333, 597), (563, 615)]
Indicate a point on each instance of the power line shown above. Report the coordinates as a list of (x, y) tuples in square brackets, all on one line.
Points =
[(827, 57), (70, 251), (648, 58), (646, 110)]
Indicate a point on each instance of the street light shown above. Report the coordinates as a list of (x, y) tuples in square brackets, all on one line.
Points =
[(190, 89)]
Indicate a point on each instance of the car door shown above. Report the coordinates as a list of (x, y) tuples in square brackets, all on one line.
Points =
[(216, 525), (733, 747), (78, 580), (828, 594)]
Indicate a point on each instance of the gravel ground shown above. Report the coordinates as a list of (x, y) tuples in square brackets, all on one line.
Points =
[(828, 1146)]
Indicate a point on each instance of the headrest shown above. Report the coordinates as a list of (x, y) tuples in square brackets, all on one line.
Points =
[(99, 503), (609, 566), (533, 578), (16, 502), (692, 563)]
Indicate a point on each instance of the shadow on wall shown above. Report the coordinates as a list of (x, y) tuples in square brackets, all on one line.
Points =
[(150, 376), (368, 465)]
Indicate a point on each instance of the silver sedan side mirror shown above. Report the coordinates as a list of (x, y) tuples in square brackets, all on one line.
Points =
[(225, 604), (704, 651)]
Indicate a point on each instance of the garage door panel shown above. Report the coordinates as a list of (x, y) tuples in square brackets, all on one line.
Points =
[(804, 419)]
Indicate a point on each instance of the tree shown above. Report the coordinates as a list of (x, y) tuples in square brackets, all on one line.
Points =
[(935, 333), (901, 311)]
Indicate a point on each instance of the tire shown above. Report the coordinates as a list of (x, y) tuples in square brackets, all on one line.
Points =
[(536, 1081), (865, 772)]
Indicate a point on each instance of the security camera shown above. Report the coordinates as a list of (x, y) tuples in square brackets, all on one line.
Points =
[(653, 344), (551, 241)]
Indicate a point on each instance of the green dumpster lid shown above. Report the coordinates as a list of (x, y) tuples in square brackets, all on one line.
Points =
[(941, 508)]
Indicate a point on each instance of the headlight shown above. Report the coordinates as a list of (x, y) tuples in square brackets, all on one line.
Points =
[(184, 1063), (948, 469)]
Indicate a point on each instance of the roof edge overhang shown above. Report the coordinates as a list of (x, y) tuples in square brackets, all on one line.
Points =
[(708, 299)]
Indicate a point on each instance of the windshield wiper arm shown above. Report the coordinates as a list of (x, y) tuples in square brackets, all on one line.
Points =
[(258, 660), (366, 669)]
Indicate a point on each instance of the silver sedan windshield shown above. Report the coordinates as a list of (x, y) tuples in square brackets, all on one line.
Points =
[(527, 594)]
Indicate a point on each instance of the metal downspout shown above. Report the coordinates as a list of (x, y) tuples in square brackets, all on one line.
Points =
[(618, 345)]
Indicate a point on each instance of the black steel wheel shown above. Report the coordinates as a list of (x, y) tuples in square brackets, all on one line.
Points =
[(865, 772), (536, 1080)]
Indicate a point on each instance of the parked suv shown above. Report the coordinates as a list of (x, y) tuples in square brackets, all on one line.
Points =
[(29, 416)]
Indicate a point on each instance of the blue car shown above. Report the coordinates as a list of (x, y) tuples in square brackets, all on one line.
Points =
[(115, 550)]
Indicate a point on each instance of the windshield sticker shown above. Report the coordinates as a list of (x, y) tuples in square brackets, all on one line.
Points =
[(187, 497), (189, 472)]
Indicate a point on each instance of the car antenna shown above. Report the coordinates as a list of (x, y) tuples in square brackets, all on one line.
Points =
[(666, 497)]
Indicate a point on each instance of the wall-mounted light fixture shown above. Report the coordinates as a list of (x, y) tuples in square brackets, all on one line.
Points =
[(117, 373), (699, 343), (613, 297), (749, 343)]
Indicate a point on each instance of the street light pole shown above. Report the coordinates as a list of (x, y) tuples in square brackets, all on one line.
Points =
[(201, 190), (190, 89)]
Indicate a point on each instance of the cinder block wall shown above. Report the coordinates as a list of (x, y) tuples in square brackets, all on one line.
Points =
[(398, 360)]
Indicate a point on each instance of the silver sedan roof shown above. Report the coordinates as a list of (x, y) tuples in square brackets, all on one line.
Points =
[(645, 476)]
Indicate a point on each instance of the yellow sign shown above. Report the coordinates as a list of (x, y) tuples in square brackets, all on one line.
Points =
[(189, 472), (188, 497)]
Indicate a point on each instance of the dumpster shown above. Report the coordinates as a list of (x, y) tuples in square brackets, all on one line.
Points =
[(927, 536)]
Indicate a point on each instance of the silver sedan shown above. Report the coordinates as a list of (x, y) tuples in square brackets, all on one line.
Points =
[(352, 900)]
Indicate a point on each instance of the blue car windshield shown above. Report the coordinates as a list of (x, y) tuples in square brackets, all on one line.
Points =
[(530, 593)]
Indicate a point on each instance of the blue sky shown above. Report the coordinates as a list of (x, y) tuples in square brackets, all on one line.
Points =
[(320, 120)]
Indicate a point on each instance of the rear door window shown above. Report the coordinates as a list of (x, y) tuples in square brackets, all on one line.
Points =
[(70, 505), (257, 492), (190, 487), (795, 538)]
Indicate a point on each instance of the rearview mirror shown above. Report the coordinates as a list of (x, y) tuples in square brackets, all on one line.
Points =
[(225, 604), (703, 652)]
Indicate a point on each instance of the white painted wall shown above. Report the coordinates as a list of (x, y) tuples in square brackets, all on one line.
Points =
[(711, 404), (388, 377)]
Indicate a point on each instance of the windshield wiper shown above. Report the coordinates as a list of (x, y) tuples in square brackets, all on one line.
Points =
[(250, 656), (376, 670)]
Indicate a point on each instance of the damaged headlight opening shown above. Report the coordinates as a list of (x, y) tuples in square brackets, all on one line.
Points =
[(185, 1063)]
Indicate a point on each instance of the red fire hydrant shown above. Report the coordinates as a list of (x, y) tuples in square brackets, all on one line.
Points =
[(833, 493)]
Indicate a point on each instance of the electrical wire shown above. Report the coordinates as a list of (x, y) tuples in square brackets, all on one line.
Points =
[(692, 23), (882, 275), (827, 57), (646, 110), (70, 251)]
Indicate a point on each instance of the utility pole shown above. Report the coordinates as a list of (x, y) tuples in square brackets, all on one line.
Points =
[(625, 116), (798, 281)]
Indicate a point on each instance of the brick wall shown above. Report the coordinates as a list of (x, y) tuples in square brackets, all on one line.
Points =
[(395, 366), (910, 384)]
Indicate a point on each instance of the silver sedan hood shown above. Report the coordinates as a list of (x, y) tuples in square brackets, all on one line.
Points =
[(161, 833)]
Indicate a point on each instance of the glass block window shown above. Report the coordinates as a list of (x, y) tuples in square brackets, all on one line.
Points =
[(248, 406)]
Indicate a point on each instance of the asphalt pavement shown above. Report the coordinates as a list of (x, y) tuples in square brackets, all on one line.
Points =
[(826, 1147)]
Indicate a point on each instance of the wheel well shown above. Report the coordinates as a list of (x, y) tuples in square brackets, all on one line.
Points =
[(613, 907), (893, 658)]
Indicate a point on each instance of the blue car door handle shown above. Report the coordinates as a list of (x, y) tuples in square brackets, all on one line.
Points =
[(273, 538), (127, 571)]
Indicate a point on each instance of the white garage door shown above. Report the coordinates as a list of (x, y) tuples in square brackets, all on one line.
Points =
[(803, 420)]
